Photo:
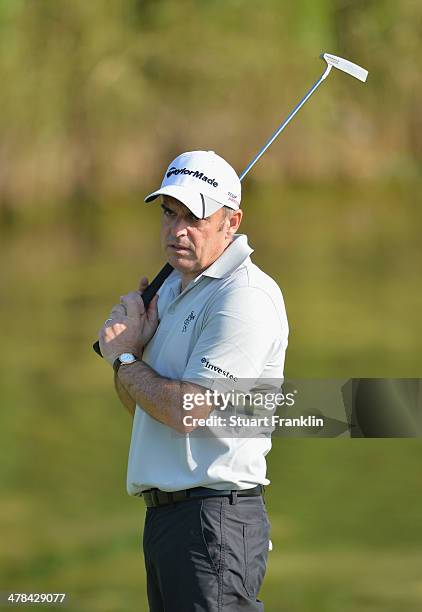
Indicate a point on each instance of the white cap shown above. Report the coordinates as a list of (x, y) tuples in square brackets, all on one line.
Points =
[(203, 181)]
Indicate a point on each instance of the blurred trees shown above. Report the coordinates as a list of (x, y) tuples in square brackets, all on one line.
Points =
[(98, 96)]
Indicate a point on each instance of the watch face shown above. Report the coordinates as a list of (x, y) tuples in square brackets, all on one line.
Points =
[(127, 358)]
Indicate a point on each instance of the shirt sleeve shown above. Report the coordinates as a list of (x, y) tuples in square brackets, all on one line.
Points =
[(242, 334)]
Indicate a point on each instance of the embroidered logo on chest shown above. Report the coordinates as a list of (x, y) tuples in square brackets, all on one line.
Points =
[(186, 322)]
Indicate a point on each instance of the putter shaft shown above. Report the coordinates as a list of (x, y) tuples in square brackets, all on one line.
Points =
[(332, 61)]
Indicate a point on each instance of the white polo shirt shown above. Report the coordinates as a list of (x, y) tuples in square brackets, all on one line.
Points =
[(228, 326)]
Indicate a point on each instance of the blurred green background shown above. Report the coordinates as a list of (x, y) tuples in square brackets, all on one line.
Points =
[(96, 98)]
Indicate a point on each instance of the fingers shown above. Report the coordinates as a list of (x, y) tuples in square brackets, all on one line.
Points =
[(143, 284), (117, 311), (133, 303), (108, 330), (112, 332)]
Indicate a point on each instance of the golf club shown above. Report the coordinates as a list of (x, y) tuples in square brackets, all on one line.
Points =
[(332, 61)]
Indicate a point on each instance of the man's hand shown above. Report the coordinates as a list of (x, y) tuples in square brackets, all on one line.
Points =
[(129, 326)]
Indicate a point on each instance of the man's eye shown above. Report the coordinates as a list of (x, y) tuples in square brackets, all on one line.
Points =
[(168, 212)]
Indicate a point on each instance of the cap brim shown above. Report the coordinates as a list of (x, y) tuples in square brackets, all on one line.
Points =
[(202, 206)]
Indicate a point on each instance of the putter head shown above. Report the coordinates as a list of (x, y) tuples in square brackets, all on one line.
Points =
[(343, 64)]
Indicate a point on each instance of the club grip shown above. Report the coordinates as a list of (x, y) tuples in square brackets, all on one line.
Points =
[(147, 295), (155, 284)]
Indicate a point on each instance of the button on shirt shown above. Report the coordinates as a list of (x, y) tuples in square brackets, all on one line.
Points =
[(228, 326)]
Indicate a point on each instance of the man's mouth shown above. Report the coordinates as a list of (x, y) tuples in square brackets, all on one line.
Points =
[(178, 248)]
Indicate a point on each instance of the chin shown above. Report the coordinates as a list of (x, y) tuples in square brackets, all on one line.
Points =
[(181, 264)]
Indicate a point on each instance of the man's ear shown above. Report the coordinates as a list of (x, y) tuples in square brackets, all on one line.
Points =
[(234, 221)]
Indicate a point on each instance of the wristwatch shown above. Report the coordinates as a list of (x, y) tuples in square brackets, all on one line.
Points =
[(124, 359)]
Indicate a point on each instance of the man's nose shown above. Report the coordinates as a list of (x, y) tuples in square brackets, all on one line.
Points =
[(179, 227)]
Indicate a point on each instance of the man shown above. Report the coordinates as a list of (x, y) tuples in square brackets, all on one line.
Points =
[(218, 324)]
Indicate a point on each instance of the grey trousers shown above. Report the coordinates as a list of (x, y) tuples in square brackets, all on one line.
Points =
[(206, 555)]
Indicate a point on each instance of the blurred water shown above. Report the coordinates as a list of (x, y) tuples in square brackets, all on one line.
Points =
[(348, 260)]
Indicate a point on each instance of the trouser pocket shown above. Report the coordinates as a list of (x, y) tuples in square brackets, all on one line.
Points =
[(211, 532), (255, 545)]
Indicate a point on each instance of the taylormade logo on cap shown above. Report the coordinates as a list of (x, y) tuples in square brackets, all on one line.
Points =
[(196, 174), (203, 181)]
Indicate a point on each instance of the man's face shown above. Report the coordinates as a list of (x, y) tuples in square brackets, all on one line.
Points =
[(193, 244)]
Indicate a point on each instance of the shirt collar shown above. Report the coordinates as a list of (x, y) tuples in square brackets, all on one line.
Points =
[(230, 259)]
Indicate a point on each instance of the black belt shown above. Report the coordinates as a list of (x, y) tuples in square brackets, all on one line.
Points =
[(156, 497)]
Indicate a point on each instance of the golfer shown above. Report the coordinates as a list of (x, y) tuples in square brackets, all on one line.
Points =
[(218, 323)]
